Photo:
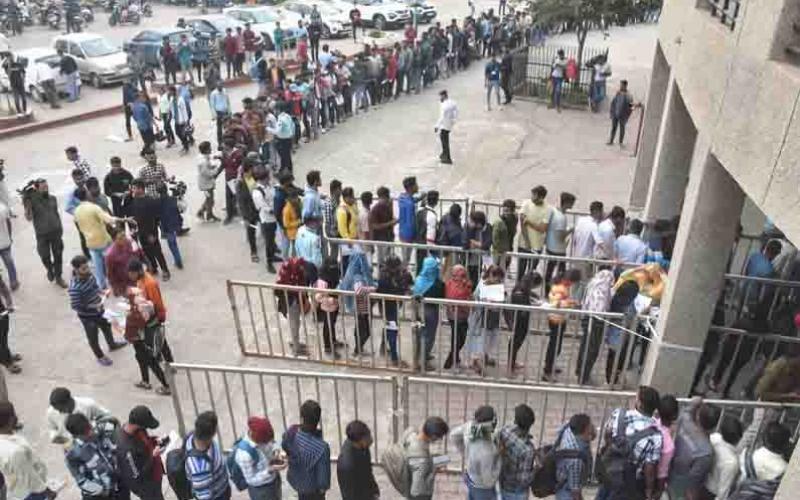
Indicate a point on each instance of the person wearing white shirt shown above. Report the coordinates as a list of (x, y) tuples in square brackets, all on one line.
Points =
[(630, 247), (556, 238), (258, 456), (448, 113), (24, 474), (767, 463), (722, 478), (45, 77), (264, 201), (62, 405), (607, 234)]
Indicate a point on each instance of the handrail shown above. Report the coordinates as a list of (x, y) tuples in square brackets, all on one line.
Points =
[(279, 372), (763, 336), (519, 307), (766, 281)]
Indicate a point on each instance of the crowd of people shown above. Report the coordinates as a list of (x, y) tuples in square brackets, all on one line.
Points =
[(653, 448)]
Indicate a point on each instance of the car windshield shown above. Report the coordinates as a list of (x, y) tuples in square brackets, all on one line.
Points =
[(176, 37), (98, 47), (369, 2), (263, 16), (223, 23), (51, 61)]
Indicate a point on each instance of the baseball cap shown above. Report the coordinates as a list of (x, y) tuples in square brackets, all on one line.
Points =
[(143, 417)]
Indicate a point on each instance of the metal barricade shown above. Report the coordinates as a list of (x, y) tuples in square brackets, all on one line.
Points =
[(442, 207), (757, 295), (235, 393), (456, 400), (463, 339)]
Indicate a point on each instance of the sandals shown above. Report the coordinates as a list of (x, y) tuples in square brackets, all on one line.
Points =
[(143, 385)]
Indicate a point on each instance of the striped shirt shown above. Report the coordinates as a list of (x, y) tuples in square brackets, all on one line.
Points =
[(206, 471), (84, 296)]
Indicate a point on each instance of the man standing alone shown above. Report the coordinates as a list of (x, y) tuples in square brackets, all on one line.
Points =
[(448, 113), (505, 75), (42, 209), (621, 108)]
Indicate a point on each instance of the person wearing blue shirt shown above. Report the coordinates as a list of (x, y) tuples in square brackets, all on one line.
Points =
[(283, 130), (759, 265), (407, 215), (312, 206), (220, 105), (143, 116), (492, 74), (128, 100), (630, 247)]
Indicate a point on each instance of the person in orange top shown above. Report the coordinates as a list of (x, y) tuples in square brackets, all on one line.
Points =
[(291, 218), (152, 346), (559, 298)]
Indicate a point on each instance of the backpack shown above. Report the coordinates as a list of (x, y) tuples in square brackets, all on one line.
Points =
[(175, 465), (616, 467), (545, 482), (395, 464), (234, 471)]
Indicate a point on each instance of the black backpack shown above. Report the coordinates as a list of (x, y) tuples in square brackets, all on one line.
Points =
[(421, 233), (175, 465), (545, 482), (616, 468)]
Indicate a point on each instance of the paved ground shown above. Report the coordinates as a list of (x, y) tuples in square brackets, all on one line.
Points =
[(497, 155)]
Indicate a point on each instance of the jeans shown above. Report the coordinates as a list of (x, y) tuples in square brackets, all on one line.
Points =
[(269, 491), (8, 260), (72, 86), (554, 345), (523, 263), (148, 138), (591, 342), (617, 122), (172, 243), (431, 325), (20, 101), (514, 495), (284, 147), (556, 97), (92, 325), (50, 248), (458, 336), (268, 231), (5, 352), (99, 264), (492, 85), (474, 493), (328, 320), (166, 120), (152, 250), (149, 360), (444, 136)]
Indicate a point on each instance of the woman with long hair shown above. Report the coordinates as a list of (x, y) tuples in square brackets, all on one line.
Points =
[(358, 279), (328, 310), (484, 324), (458, 287), (394, 280)]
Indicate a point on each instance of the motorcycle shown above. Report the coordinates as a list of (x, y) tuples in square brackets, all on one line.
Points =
[(25, 15), (124, 15), (147, 9), (54, 19), (77, 23)]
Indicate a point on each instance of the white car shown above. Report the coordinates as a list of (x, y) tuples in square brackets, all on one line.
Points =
[(99, 61), (380, 14), (33, 86), (335, 22), (263, 20)]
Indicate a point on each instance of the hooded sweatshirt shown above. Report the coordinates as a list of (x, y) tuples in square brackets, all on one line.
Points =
[(476, 443), (309, 460)]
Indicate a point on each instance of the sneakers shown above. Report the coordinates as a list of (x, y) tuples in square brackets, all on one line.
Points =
[(60, 282), (270, 268), (104, 361)]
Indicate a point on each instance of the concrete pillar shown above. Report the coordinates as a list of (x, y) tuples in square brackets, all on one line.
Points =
[(653, 118), (790, 484), (673, 159), (707, 229)]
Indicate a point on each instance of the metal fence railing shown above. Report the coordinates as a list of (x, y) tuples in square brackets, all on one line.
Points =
[(540, 66), (468, 340), (235, 393), (726, 10), (389, 404)]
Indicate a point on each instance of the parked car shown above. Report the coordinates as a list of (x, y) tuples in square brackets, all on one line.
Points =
[(147, 43), (99, 61), (335, 23), (380, 14), (262, 20), (212, 25), (425, 12), (31, 56)]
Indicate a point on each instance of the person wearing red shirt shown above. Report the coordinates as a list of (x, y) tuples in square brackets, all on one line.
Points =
[(302, 53), (391, 71), (410, 34), (251, 42), (232, 157), (230, 45)]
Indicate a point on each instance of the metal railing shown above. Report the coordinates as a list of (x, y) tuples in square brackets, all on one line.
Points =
[(726, 10), (460, 339), (236, 393), (539, 68), (389, 404)]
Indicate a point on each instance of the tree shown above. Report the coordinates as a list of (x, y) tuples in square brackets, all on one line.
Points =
[(579, 15)]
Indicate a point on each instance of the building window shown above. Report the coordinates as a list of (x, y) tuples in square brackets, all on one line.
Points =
[(725, 10)]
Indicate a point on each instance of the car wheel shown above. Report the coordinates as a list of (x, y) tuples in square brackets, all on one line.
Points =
[(95, 80), (36, 94), (380, 22), (326, 32)]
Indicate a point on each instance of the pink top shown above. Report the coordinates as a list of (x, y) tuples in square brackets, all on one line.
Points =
[(667, 451)]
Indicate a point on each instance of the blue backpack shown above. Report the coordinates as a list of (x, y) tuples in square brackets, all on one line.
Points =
[(235, 472)]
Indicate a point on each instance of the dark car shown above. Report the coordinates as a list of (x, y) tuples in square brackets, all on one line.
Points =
[(146, 43), (213, 25)]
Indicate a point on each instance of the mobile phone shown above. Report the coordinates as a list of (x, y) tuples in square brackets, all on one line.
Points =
[(164, 442)]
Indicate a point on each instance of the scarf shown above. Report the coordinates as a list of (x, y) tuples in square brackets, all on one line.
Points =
[(427, 276), (458, 287)]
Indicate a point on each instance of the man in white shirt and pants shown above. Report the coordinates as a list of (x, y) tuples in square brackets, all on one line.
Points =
[(448, 112)]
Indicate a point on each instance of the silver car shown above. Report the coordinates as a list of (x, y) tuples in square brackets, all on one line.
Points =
[(99, 62)]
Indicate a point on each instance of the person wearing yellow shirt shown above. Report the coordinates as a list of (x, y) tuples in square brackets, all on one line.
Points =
[(291, 218), (92, 221), (347, 222)]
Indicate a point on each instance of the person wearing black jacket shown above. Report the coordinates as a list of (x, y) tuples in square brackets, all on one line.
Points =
[(505, 75), (117, 185), (477, 236), (146, 211), (354, 466), (139, 455), (41, 208), (244, 198)]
